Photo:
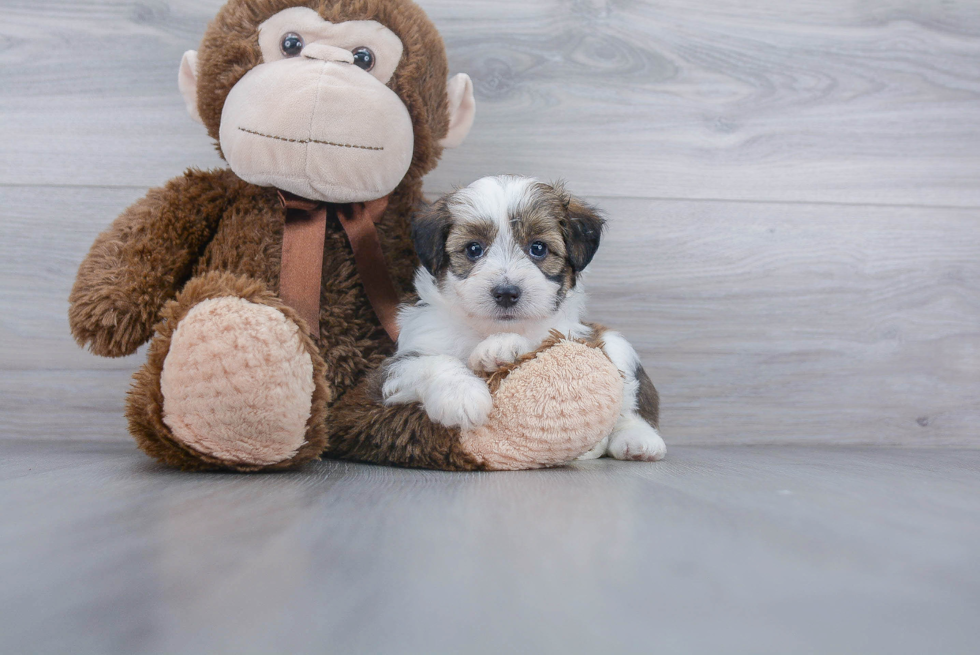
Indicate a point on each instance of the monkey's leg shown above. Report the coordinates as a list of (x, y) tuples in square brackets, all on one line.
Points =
[(555, 405), (232, 381)]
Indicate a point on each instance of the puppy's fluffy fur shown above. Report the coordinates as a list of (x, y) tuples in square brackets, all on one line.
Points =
[(501, 261)]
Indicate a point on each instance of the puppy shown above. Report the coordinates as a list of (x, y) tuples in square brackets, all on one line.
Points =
[(501, 266)]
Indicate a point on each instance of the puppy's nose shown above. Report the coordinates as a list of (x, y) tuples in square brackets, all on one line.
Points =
[(506, 295)]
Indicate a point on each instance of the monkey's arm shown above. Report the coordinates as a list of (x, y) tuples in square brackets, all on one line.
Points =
[(142, 260)]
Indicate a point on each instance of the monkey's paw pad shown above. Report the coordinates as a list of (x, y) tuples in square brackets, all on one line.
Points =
[(549, 410), (237, 382)]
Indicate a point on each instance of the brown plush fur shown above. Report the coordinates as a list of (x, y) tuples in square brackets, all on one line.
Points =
[(145, 257), (362, 429), (210, 233)]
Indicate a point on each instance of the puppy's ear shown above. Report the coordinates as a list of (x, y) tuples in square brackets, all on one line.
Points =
[(582, 226), (430, 229)]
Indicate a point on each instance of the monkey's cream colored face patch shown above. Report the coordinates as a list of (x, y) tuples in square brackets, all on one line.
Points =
[(349, 36), (313, 122)]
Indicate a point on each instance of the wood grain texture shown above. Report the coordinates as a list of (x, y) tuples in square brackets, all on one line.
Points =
[(714, 550), (758, 322), (761, 321), (810, 100), (768, 323)]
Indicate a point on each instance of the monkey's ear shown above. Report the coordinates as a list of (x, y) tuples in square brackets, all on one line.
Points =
[(583, 228), (462, 110), (187, 83), (430, 230)]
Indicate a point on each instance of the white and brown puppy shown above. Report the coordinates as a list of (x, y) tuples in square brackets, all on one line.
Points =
[(501, 265)]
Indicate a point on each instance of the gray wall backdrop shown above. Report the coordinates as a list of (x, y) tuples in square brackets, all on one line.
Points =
[(793, 189)]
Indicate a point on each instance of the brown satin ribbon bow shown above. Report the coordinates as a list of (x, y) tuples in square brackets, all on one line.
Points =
[(302, 257)]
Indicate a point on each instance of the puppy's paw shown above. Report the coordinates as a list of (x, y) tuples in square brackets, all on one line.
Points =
[(635, 439), (396, 390), (456, 401), (498, 350), (597, 451)]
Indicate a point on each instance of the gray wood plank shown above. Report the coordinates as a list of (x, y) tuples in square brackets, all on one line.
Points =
[(734, 550), (44, 235), (759, 322), (809, 100), (768, 323)]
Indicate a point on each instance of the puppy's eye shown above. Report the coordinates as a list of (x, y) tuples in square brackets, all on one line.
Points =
[(363, 58), (474, 250), (538, 250), (291, 44)]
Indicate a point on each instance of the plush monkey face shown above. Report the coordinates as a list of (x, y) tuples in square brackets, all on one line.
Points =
[(318, 112), (315, 120)]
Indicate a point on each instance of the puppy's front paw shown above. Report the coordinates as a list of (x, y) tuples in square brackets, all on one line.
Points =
[(498, 350), (462, 402), (635, 439)]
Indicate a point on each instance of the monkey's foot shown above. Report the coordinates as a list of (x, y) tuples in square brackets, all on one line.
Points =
[(554, 406), (237, 383)]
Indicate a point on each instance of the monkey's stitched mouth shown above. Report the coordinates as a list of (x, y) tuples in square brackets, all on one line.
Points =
[(323, 143)]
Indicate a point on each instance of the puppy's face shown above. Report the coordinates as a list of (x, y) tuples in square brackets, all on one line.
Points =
[(507, 248)]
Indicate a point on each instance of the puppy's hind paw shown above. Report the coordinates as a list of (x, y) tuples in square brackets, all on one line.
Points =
[(635, 439), (597, 451)]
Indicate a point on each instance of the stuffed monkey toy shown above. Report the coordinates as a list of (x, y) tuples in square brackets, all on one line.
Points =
[(269, 291)]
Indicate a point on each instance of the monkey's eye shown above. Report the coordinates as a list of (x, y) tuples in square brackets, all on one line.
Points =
[(363, 58), (291, 44), (474, 250), (538, 250)]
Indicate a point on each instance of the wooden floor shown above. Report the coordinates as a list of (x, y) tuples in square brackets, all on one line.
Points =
[(766, 549)]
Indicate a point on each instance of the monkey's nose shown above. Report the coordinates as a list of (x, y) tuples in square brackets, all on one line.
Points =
[(325, 52), (506, 295)]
